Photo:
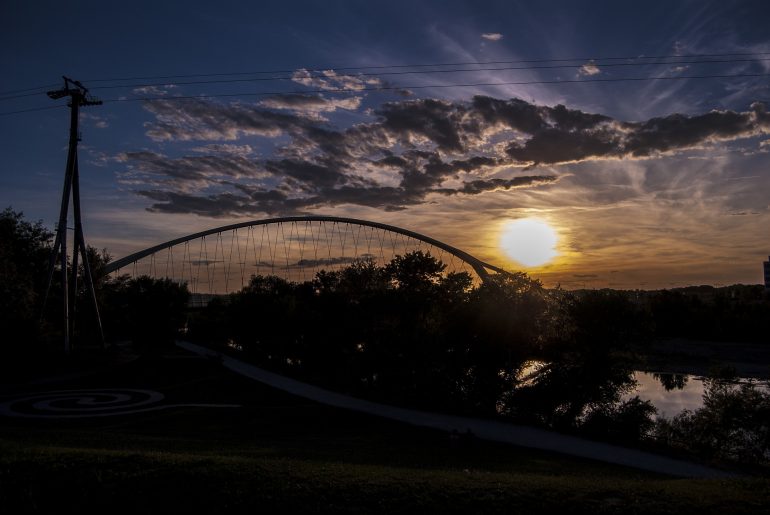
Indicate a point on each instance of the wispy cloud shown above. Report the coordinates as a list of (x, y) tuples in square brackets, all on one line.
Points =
[(152, 91), (96, 121), (492, 36), (310, 105)]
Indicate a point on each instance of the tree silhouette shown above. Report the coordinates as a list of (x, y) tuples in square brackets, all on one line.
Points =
[(24, 255)]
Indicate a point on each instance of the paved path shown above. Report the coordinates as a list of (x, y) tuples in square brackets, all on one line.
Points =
[(486, 429)]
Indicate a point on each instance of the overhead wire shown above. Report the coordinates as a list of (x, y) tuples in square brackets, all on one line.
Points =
[(392, 88), (425, 65), (410, 72), (46, 108), (410, 87), (431, 86), (37, 88), (398, 66)]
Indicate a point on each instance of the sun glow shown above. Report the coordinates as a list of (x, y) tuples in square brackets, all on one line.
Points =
[(529, 241)]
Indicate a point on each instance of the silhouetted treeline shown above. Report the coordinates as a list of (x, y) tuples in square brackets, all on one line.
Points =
[(408, 334), (144, 310), (738, 313), (24, 256), (147, 311)]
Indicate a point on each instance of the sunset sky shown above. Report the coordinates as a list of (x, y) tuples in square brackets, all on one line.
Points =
[(448, 118)]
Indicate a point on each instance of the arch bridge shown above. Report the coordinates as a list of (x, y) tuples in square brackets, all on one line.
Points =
[(222, 259)]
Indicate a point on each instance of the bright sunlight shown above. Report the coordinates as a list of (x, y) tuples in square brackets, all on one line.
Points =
[(529, 241)]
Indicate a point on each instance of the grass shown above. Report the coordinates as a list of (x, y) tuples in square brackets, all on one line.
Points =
[(282, 454)]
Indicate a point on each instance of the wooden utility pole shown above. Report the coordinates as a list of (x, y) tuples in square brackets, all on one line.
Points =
[(79, 97)]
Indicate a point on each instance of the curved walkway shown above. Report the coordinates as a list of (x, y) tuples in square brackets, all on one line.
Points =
[(486, 429)]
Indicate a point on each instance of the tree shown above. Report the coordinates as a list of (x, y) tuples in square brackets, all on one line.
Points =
[(148, 311), (25, 250), (734, 423), (415, 270)]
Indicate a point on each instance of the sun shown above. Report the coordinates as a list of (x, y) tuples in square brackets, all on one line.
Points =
[(529, 241)]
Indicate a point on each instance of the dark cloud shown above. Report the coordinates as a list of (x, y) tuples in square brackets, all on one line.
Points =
[(306, 174), (199, 171), (202, 120), (515, 114), (553, 146), (481, 185), (220, 205), (680, 131), (409, 150), (205, 262), (436, 121), (342, 260)]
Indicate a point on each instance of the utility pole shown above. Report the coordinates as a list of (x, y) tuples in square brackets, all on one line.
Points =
[(79, 97)]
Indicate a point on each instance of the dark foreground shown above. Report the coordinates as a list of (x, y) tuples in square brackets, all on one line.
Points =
[(278, 453)]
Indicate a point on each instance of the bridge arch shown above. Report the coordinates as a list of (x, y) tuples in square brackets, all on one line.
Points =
[(303, 236)]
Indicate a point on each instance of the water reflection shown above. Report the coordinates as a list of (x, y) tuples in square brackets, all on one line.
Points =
[(669, 393), (673, 393), (671, 381)]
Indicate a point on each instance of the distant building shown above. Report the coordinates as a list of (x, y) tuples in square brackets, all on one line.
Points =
[(767, 273)]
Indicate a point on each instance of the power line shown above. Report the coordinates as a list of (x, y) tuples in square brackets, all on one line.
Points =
[(412, 72), (320, 69), (429, 86), (419, 72), (31, 110), (38, 88), (398, 66)]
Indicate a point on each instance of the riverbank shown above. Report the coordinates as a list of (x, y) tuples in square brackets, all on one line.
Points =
[(279, 453), (701, 358)]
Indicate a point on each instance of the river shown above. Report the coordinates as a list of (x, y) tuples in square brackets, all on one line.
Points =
[(680, 392)]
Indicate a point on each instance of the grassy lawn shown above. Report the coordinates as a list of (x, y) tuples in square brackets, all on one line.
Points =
[(278, 453)]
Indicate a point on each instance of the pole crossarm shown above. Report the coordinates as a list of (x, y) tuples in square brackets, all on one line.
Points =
[(78, 94), (480, 267)]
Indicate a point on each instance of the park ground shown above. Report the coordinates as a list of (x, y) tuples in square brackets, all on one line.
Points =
[(279, 453)]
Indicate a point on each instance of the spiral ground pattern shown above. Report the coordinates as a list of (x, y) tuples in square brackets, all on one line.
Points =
[(103, 402)]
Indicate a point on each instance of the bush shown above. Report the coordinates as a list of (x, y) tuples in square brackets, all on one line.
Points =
[(629, 420), (734, 424)]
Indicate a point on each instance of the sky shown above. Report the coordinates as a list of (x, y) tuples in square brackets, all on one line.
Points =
[(452, 119)]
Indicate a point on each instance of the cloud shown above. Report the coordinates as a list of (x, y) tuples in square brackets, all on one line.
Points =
[(333, 81), (492, 36), (481, 185), (406, 153), (226, 148), (342, 260), (590, 68), (97, 121), (310, 104), (153, 90), (188, 172), (591, 137), (193, 119)]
